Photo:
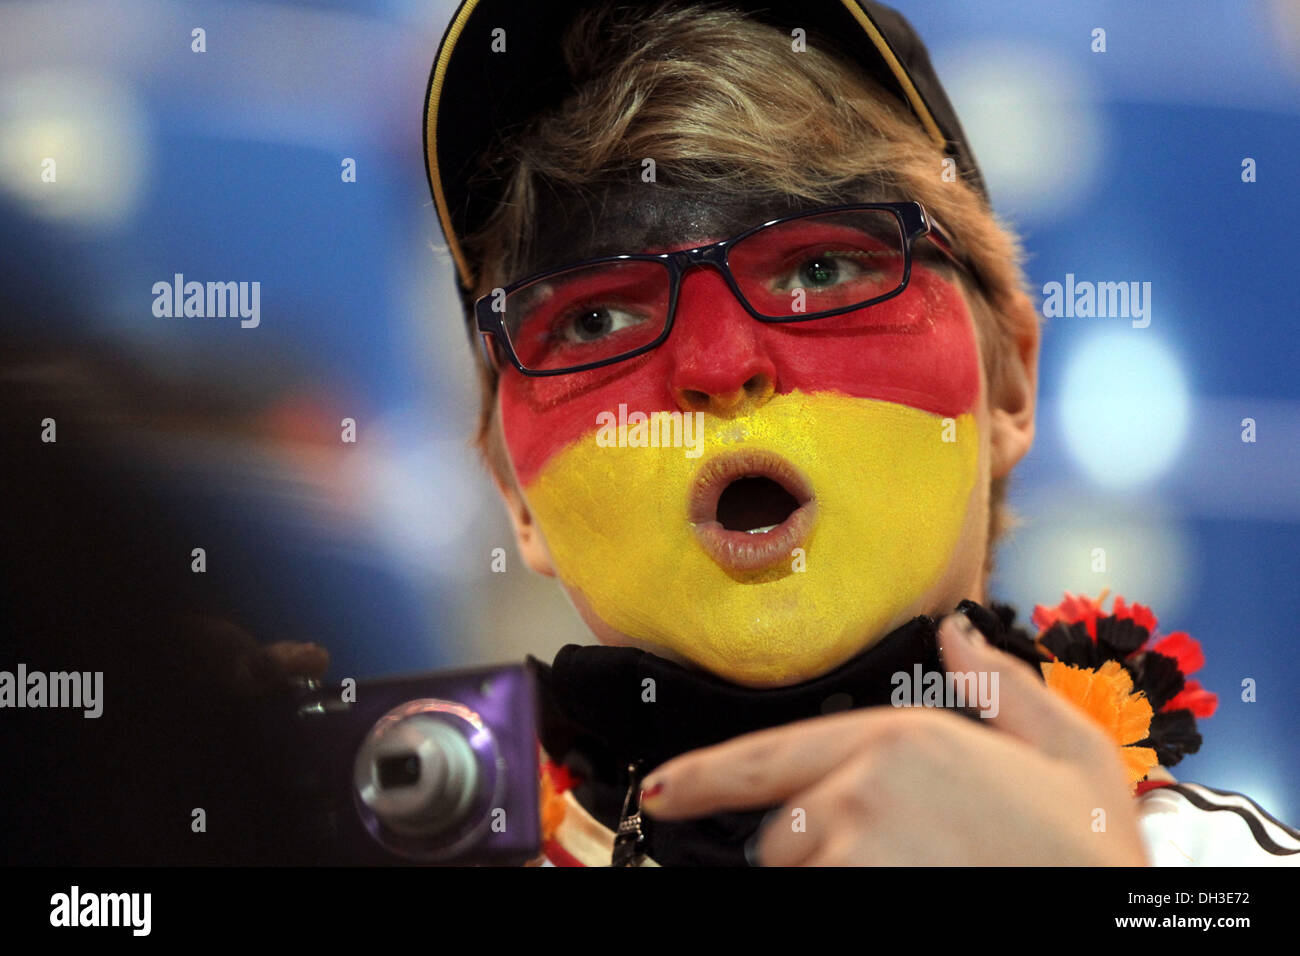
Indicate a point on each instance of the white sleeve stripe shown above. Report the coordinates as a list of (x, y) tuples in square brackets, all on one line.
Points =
[(1255, 817)]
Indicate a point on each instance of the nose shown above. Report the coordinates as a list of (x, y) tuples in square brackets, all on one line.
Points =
[(720, 361)]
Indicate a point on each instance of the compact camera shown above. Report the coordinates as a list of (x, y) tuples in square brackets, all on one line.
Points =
[(438, 768)]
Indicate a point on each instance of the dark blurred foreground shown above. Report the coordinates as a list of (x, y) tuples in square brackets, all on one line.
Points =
[(95, 575)]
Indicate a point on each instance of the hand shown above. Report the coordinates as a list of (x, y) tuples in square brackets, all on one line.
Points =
[(1043, 785), (234, 661)]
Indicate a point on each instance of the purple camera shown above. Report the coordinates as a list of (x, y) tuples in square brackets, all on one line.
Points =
[(437, 768)]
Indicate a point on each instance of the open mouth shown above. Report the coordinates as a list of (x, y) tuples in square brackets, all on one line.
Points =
[(751, 509)]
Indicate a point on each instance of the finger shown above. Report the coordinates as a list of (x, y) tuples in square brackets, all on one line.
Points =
[(844, 850), (835, 809), (766, 768), (299, 659), (1023, 705)]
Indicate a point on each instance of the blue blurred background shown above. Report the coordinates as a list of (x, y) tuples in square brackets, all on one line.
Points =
[(1123, 165)]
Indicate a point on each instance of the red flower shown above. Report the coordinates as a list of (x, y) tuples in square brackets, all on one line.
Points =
[(1076, 609), (1193, 697), (1183, 648), (559, 775), (1139, 614), (1186, 650), (1072, 610)]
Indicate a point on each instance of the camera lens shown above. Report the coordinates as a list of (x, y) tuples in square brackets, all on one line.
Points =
[(428, 779), (417, 774), (402, 770)]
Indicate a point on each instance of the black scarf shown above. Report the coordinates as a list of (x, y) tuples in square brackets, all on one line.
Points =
[(595, 722)]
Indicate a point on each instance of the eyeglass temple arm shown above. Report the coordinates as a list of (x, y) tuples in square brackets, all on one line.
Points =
[(488, 352), (486, 332)]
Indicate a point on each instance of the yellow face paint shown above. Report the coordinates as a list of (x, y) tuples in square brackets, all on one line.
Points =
[(891, 484)]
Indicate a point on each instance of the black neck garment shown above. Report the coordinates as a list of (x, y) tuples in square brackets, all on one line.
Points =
[(595, 722)]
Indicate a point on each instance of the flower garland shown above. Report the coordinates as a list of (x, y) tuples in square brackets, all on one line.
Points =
[(1132, 681), (1113, 665), (555, 780)]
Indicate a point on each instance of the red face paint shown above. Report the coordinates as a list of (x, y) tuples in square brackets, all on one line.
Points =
[(916, 349)]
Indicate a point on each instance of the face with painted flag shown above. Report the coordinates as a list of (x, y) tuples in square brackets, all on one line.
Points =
[(788, 493)]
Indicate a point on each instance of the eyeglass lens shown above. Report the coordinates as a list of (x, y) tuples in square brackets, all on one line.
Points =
[(799, 268)]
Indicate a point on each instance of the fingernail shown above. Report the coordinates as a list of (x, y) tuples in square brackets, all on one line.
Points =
[(968, 630), (751, 845), (652, 789)]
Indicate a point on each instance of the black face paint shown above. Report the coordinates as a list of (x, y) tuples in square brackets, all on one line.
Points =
[(626, 218)]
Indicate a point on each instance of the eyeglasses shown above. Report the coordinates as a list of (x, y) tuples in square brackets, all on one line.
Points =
[(812, 265)]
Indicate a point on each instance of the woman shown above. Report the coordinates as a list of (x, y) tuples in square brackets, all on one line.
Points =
[(758, 362)]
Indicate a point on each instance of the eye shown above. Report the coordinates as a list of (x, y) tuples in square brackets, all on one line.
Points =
[(827, 269), (592, 323), (823, 271)]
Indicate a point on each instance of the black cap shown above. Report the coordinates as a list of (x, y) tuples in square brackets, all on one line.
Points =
[(476, 97)]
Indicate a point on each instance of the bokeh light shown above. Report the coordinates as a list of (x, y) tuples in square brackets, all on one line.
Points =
[(1124, 407), (1031, 121), (94, 131)]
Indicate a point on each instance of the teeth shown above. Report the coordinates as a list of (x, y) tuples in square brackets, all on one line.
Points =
[(760, 530)]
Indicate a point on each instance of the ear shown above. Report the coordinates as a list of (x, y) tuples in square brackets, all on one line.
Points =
[(528, 536), (1013, 406)]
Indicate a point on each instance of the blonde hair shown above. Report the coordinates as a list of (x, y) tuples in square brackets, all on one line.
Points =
[(725, 106)]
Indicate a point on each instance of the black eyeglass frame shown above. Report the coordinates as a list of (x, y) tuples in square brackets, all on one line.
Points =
[(913, 220)]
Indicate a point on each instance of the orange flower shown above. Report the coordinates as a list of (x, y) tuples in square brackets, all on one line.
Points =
[(552, 804), (1106, 695)]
